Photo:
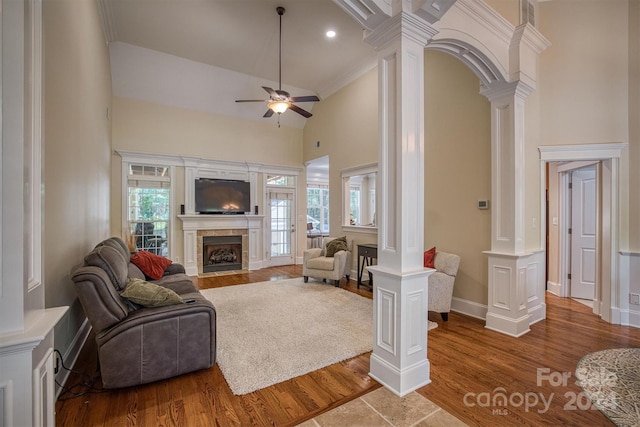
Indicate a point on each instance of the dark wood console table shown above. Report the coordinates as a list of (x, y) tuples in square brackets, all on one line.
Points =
[(367, 252)]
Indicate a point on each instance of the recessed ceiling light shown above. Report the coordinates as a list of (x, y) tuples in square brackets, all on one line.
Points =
[(331, 34)]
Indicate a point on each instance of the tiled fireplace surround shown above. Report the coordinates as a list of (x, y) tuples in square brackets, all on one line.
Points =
[(195, 227)]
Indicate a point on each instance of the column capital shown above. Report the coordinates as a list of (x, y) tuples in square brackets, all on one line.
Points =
[(501, 90), (402, 25)]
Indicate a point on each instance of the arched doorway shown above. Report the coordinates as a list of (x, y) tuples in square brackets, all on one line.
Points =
[(505, 59)]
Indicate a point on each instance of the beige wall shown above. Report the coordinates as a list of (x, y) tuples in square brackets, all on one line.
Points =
[(77, 156), (346, 124), (146, 127), (457, 163), (584, 74), (457, 170), (153, 128), (585, 85), (553, 255)]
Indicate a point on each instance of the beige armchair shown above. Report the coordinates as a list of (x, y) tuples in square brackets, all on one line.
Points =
[(441, 283), (315, 264)]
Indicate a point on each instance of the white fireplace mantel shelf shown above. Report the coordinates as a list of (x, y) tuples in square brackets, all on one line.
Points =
[(192, 223), (217, 222)]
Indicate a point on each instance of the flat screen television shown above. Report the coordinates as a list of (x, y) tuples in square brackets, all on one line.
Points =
[(219, 196)]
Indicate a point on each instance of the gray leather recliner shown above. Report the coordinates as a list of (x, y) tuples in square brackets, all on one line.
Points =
[(142, 345)]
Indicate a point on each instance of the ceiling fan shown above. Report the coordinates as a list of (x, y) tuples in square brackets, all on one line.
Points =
[(279, 100)]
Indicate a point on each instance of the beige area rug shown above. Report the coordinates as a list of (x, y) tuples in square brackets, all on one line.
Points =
[(611, 380), (269, 332)]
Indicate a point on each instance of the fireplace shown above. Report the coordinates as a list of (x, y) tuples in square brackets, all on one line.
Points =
[(221, 253)]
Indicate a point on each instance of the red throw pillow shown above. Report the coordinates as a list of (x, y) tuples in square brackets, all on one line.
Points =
[(152, 265), (429, 257)]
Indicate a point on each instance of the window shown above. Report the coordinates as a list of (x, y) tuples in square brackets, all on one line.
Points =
[(318, 208), (354, 204), (148, 207)]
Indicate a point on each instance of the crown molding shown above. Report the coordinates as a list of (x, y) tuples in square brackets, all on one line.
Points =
[(343, 80)]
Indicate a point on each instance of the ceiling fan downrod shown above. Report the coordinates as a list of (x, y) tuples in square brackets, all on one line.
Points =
[(280, 11), (279, 100)]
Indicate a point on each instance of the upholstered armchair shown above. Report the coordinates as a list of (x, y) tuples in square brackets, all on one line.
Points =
[(316, 264), (441, 283)]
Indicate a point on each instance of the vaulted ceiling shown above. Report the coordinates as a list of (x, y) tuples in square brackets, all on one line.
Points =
[(242, 36)]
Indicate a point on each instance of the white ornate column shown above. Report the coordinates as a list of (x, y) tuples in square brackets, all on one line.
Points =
[(516, 275), (507, 310), (399, 359)]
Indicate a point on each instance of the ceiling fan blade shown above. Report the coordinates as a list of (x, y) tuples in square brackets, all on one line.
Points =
[(311, 98), (269, 113), (300, 111), (250, 100), (270, 91)]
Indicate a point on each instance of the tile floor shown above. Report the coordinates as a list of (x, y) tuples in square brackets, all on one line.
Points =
[(383, 408)]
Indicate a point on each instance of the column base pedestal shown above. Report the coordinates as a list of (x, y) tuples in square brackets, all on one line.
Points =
[(508, 326), (399, 359), (399, 382)]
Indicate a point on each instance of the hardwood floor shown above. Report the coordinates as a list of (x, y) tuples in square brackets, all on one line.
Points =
[(466, 360)]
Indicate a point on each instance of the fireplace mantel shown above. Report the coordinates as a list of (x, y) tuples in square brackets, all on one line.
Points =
[(191, 224)]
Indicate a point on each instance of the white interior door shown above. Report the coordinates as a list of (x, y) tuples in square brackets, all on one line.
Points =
[(281, 216), (584, 222)]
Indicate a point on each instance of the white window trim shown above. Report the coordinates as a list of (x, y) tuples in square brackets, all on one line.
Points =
[(149, 161), (345, 174)]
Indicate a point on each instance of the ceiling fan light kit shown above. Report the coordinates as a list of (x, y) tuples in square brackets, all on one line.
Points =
[(279, 100), (279, 106)]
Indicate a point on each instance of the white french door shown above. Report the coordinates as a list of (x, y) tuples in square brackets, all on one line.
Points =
[(281, 223)]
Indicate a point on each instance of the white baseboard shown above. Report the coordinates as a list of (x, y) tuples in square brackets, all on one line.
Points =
[(538, 313), (256, 265), (634, 318), (470, 308), (71, 355), (627, 317), (554, 288)]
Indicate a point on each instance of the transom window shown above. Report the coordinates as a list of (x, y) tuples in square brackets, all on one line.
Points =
[(281, 180)]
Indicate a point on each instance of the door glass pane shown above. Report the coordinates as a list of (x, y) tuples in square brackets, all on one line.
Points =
[(280, 224)]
